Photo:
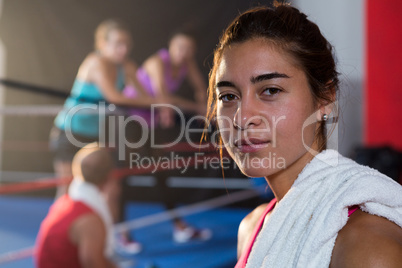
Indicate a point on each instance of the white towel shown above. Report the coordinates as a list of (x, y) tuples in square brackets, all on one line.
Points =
[(302, 228), (91, 196)]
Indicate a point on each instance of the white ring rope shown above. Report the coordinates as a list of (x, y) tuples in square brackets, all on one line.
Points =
[(186, 210), (52, 110), (31, 110)]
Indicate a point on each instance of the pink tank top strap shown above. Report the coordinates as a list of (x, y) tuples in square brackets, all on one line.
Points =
[(352, 209), (244, 257)]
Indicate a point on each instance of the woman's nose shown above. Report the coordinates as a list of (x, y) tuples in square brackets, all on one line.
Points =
[(247, 115)]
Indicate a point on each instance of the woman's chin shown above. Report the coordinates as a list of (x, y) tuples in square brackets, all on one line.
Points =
[(253, 172)]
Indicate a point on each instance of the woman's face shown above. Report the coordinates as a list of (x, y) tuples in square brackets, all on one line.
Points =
[(116, 46), (181, 49), (263, 99)]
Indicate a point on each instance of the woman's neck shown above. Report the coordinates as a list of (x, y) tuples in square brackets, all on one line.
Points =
[(107, 59), (281, 182), (174, 65)]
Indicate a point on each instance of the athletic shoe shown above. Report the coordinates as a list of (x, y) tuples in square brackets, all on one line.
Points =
[(191, 234), (127, 246)]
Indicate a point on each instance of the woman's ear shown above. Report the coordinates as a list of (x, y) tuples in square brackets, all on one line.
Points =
[(327, 106), (324, 111)]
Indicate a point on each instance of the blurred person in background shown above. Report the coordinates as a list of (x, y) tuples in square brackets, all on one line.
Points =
[(78, 230), (162, 74), (101, 78)]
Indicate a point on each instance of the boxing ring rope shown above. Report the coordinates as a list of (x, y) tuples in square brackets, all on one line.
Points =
[(17, 255), (46, 183), (31, 110), (33, 88)]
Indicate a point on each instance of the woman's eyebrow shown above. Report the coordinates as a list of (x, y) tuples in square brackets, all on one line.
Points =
[(224, 84), (254, 80), (267, 76)]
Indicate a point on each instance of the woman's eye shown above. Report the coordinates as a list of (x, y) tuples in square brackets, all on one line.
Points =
[(227, 97), (271, 91)]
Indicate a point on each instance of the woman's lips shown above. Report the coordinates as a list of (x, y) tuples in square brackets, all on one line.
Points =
[(251, 145)]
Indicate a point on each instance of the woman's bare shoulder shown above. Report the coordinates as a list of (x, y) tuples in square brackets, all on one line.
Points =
[(93, 62), (247, 226), (93, 58), (368, 241), (253, 217), (153, 61)]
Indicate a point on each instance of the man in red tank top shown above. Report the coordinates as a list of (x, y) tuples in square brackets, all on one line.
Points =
[(74, 234)]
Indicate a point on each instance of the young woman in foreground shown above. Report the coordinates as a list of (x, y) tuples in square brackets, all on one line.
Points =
[(272, 89)]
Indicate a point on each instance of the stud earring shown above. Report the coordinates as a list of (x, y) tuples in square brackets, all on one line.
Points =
[(324, 117)]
